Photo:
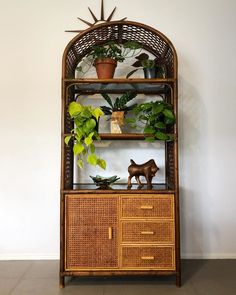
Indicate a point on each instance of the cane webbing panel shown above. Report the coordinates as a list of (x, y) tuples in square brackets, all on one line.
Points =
[(88, 220), (151, 40), (148, 232), (148, 257), (148, 207)]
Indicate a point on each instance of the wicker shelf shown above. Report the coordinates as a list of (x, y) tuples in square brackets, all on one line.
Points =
[(96, 223)]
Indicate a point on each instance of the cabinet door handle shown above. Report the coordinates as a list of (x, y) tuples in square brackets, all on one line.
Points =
[(147, 257), (147, 207), (110, 233), (147, 232)]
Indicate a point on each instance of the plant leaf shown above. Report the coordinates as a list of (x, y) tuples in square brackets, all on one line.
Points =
[(97, 113), (131, 73), (149, 129), (150, 139), (90, 124), (88, 140), (80, 163), (67, 139), (157, 108), (160, 125), (74, 109), (92, 159), (108, 99), (78, 148), (132, 45), (169, 114), (102, 163), (161, 136), (92, 148), (142, 56)]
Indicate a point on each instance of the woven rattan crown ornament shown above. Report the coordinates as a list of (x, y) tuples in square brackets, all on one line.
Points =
[(96, 20)]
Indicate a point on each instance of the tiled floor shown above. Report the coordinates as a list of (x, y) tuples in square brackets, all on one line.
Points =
[(200, 277)]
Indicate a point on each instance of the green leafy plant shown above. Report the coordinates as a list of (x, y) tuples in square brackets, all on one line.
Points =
[(155, 117), (118, 52), (119, 103), (84, 132), (145, 62)]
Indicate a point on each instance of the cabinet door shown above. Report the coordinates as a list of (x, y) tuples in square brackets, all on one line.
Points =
[(91, 232)]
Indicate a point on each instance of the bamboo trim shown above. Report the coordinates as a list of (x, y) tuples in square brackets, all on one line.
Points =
[(147, 232), (110, 233), (147, 207), (147, 257)]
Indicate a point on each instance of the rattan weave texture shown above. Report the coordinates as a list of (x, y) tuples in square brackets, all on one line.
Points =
[(148, 257), (161, 206), (151, 40), (87, 236), (148, 232)]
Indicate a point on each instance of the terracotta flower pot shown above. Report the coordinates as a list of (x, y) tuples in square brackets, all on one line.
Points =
[(105, 67)]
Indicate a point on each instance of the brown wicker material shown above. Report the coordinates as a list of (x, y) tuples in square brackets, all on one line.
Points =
[(161, 232), (119, 232), (88, 220), (148, 257), (161, 206), (151, 40)]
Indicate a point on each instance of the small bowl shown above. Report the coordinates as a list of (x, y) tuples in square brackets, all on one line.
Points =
[(104, 182)]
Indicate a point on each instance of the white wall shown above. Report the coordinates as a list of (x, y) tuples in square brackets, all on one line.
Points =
[(32, 43)]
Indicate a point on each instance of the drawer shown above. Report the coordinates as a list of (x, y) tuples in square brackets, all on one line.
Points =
[(148, 232), (148, 206), (161, 257)]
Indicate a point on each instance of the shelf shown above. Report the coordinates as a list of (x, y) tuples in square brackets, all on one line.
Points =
[(119, 188), (121, 80), (119, 136), (148, 86)]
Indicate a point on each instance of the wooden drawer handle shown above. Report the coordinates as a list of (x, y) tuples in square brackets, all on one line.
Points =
[(110, 233), (147, 257), (146, 207), (147, 232)]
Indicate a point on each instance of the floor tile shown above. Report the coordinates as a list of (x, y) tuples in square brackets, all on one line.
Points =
[(36, 287), (199, 277), (7, 285), (13, 269), (43, 269)]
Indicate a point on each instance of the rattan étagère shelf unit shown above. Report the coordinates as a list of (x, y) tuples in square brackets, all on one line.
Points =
[(119, 231)]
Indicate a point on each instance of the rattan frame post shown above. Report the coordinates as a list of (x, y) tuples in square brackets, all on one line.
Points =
[(72, 230)]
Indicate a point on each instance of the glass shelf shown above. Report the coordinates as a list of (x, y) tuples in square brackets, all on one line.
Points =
[(162, 187), (149, 86)]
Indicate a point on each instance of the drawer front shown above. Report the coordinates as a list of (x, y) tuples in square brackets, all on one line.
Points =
[(148, 232), (158, 206), (161, 257)]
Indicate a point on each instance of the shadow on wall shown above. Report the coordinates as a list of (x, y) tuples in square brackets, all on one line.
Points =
[(193, 150)]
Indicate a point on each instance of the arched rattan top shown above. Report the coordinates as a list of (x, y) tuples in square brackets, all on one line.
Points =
[(120, 31)]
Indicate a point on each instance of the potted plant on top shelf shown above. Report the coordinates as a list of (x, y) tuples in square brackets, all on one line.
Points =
[(105, 57), (152, 68), (84, 132), (155, 117), (118, 109)]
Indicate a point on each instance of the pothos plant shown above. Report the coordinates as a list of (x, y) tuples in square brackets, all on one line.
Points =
[(155, 117), (84, 132)]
